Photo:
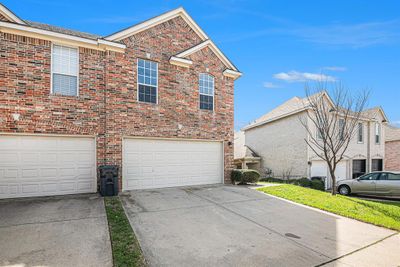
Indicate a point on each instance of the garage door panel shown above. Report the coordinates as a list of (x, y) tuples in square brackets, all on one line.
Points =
[(166, 163), (49, 173), (8, 158), (43, 165), (48, 158)]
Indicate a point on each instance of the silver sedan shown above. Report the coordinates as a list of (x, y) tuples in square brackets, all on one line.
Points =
[(375, 183)]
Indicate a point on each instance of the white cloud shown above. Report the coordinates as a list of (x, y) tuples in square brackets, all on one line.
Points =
[(396, 123), (351, 35), (270, 85), (295, 76), (335, 68)]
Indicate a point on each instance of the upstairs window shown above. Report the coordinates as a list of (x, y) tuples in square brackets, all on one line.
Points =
[(377, 133), (206, 87), (341, 129), (65, 69), (360, 133), (147, 81)]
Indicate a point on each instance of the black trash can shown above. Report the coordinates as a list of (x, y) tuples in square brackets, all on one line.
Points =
[(108, 180)]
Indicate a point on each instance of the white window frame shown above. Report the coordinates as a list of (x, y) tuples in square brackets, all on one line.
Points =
[(206, 94), (137, 81), (319, 134), (377, 132), (360, 124), (51, 69)]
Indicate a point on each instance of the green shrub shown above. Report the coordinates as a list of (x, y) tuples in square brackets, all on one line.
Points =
[(236, 176), (317, 184), (271, 180), (304, 182), (244, 176)]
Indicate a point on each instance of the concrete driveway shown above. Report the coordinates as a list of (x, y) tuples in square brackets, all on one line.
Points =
[(237, 226), (54, 231)]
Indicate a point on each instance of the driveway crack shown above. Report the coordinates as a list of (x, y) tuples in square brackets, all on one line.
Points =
[(357, 250)]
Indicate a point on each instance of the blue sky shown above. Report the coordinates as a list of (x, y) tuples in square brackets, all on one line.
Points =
[(278, 45)]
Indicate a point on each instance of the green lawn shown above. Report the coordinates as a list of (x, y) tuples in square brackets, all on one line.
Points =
[(125, 247), (386, 214)]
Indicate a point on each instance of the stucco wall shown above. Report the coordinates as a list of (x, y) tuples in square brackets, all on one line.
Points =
[(281, 146)]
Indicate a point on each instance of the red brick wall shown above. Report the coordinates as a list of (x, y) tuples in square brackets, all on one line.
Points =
[(392, 156), (115, 112)]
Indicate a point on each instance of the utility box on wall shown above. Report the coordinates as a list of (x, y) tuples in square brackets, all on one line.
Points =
[(109, 180)]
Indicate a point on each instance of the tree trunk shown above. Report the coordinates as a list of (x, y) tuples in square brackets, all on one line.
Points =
[(333, 183)]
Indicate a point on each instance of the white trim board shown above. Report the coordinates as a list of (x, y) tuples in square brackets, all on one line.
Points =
[(45, 34), (213, 47), (10, 15), (158, 20)]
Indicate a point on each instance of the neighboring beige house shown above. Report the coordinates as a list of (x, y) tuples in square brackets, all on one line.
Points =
[(278, 137), (392, 148)]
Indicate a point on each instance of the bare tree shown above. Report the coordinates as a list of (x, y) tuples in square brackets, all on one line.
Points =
[(286, 174), (331, 122)]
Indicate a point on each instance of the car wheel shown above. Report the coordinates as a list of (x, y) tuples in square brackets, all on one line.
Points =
[(344, 190)]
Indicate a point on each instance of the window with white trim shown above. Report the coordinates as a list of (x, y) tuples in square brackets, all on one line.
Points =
[(341, 128), (360, 134), (206, 90), (147, 81), (377, 133), (64, 69)]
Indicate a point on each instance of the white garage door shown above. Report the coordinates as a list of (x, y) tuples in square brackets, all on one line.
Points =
[(156, 163), (43, 166), (320, 168)]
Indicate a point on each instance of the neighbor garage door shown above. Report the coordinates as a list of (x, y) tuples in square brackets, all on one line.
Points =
[(43, 166), (320, 168), (156, 163)]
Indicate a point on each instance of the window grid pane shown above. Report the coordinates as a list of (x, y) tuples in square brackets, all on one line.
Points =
[(147, 80), (206, 89), (65, 68)]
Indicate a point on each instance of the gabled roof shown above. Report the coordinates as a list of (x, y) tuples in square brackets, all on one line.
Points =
[(372, 112), (9, 15), (208, 43), (296, 105), (16, 25), (158, 20)]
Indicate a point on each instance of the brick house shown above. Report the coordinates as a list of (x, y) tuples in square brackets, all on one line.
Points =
[(155, 99), (392, 148)]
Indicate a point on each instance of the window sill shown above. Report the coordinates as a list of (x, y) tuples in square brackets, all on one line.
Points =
[(60, 95), (147, 103)]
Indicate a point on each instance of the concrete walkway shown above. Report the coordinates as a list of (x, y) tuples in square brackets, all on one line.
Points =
[(54, 231), (237, 226)]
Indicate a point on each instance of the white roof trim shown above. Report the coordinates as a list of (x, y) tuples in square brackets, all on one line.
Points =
[(248, 127), (105, 42), (273, 119), (158, 20), (232, 74), (68, 37), (10, 15), (213, 47), (182, 62)]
